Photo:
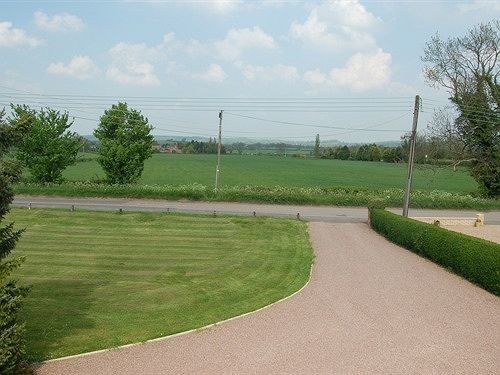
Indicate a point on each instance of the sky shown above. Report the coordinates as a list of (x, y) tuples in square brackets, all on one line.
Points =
[(345, 69)]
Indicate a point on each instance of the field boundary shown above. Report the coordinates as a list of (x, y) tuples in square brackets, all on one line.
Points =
[(333, 195)]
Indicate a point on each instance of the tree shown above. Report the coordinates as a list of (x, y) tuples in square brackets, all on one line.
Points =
[(49, 147), (11, 330), (467, 67), (317, 149), (343, 153), (125, 143), (392, 154)]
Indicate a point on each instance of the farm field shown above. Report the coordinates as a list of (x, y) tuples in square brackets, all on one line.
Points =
[(181, 169), (95, 275)]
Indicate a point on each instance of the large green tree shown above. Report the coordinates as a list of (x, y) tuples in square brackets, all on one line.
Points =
[(49, 147), (125, 143), (468, 68), (11, 330)]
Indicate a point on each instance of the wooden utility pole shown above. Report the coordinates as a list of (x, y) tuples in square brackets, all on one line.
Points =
[(411, 157), (217, 171)]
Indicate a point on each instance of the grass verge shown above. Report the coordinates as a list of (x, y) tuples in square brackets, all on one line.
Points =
[(341, 196), (475, 259), (95, 275)]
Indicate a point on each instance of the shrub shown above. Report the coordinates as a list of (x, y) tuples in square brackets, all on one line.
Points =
[(475, 259)]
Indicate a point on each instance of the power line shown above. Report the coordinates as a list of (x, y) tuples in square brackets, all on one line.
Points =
[(317, 126)]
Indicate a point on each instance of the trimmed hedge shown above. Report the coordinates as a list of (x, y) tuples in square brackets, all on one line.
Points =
[(473, 258)]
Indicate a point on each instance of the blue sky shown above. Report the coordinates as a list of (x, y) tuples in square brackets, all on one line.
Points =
[(362, 55)]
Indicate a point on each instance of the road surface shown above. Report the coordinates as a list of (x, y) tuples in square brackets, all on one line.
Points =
[(370, 307), (336, 214)]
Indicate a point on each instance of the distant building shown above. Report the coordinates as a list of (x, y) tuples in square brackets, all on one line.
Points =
[(158, 148), (172, 149)]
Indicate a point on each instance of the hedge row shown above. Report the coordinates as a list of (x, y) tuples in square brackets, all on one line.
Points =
[(341, 196), (475, 259)]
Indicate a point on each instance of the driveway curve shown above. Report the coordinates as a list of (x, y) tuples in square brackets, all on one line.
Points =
[(370, 307)]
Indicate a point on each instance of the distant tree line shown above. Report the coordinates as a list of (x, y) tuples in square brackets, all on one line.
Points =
[(200, 147), (429, 149)]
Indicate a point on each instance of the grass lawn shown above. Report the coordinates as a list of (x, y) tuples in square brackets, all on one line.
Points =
[(181, 169), (102, 279)]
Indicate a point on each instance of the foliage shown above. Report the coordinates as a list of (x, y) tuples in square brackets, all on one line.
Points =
[(125, 143), (11, 331), (370, 152), (49, 147), (392, 154), (341, 196), (317, 149), (171, 272), (199, 147), (343, 153), (475, 259), (468, 68)]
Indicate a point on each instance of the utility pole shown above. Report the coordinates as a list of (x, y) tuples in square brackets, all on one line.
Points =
[(411, 157), (217, 171)]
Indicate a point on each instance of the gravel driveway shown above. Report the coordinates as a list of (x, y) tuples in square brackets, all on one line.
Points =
[(370, 307)]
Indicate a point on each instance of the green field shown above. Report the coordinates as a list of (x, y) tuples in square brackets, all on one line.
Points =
[(180, 169), (105, 279)]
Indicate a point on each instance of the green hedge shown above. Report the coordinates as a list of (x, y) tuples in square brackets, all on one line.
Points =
[(341, 196), (473, 258)]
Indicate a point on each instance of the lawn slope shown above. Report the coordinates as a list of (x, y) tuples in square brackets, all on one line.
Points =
[(103, 279)]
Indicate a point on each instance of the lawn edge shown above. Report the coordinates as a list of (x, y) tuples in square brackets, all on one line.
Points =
[(162, 338)]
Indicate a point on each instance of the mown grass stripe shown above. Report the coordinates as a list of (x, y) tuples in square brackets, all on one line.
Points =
[(95, 274)]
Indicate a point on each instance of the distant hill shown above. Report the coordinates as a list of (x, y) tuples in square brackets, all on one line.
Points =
[(231, 140)]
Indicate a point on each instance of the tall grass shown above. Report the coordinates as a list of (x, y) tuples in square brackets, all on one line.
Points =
[(343, 196)]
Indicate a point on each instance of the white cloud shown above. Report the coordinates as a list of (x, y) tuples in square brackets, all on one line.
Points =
[(478, 5), (214, 73), (239, 40), (80, 67), (135, 52), (268, 73), (11, 37), (58, 22), (132, 64), (337, 24), (362, 72), (138, 74), (221, 6), (315, 77)]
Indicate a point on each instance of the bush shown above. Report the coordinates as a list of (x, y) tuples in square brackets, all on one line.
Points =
[(475, 259)]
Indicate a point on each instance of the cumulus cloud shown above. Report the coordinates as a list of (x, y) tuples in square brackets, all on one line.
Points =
[(214, 73), (132, 64), (11, 37), (239, 40), (479, 5), (362, 72), (80, 67), (58, 22), (268, 73), (337, 24), (138, 74), (221, 6)]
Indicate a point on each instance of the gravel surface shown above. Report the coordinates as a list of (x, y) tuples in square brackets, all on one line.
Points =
[(486, 232), (370, 307)]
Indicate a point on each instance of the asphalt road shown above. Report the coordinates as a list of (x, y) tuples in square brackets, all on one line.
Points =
[(370, 307), (336, 214)]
